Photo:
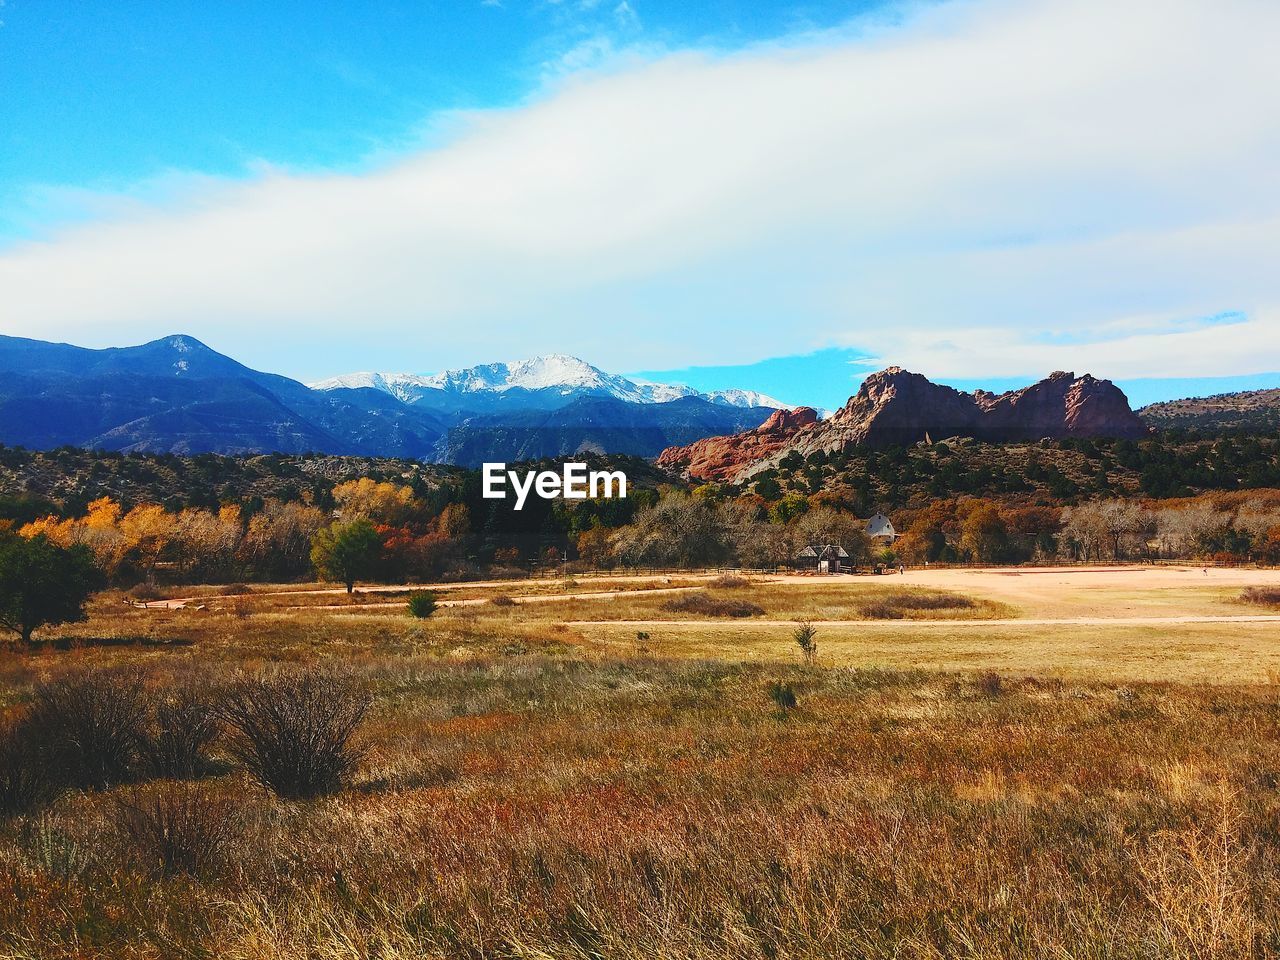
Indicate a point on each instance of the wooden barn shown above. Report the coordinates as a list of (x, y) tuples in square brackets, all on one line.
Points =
[(823, 558)]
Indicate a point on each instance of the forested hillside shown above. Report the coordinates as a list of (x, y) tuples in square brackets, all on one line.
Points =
[(1168, 464), (1254, 411)]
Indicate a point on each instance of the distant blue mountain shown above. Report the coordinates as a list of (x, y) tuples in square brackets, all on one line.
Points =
[(178, 395)]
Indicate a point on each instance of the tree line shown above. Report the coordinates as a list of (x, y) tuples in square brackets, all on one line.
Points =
[(1237, 527)]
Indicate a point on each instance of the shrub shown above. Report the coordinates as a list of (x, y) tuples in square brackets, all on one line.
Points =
[(51, 851), (989, 684), (708, 606), (502, 601), (177, 828), (89, 727), (26, 782), (806, 638), (144, 592), (783, 695), (422, 604), (234, 589), (294, 732), (896, 604), (1266, 596), (507, 573), (881, 611), (182, 727), (729, 581)]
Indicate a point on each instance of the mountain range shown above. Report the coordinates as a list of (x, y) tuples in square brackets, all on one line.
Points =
[(543, 383), (178, 395)]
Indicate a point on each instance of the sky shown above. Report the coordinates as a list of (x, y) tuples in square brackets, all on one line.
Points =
[(767, 195)]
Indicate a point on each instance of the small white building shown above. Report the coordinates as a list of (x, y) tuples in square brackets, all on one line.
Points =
[(880, 530)]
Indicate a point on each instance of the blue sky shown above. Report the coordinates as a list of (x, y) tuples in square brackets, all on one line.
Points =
[(827, 378), (126, 96), (730, 194)]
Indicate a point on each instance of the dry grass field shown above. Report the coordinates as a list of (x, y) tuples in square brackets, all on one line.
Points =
[(1068, 764)]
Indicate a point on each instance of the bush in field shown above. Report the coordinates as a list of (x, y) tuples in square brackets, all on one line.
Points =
[(422, 604), (502, 600), (26, 782), (895, 605), (729, 581), (783, 695), (43, 584), (1266, 596), (182, 727), (990, 684), (89, 728), (708, 606), (346, 552), (881, 611), (144, 592), (806, 638), (294, 733), (177, 828)]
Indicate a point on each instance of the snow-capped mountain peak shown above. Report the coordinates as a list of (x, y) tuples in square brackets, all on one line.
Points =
[(556, 375)]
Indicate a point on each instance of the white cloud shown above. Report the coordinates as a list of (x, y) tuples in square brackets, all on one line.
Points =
[(982, 188)]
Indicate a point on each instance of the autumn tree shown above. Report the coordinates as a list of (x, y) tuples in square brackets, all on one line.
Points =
[(148, 530), (1034, 529), (379, 501), (983, 534), (206, 542), (454, 521), (594, 546), (678, 530), (279, 537), (1268, 546), (925, 539)]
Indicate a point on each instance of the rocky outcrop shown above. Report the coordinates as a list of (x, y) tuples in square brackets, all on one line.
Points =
[(1062, 405), (897, 407), (720, 458)]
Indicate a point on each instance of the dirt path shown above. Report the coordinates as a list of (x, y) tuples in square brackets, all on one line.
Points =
[(517, 601), (1008, 622), (1067, 596), (177, 603)]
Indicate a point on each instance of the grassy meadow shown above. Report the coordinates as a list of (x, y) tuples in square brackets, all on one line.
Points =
[(545, 779)]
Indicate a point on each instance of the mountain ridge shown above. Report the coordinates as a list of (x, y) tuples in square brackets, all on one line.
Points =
[(1257, 410), (895, 407), (550, 376)]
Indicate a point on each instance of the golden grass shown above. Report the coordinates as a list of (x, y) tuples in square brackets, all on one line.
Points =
[(536, 788), (539, 806), (1197, 653)]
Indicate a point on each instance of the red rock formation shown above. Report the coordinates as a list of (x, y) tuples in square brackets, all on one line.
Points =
[(895, 406), (1061, 405), (720, 458)]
